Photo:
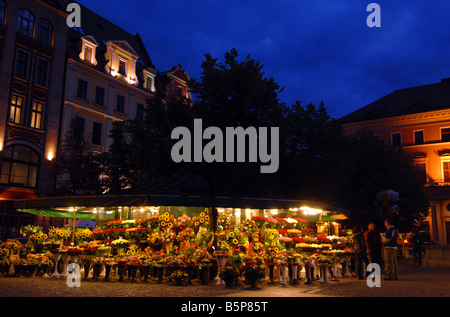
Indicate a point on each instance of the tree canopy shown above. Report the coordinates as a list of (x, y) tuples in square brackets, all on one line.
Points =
[(317, 161)]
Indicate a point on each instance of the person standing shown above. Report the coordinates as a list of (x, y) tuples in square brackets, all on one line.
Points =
[(417, 241), (390, 250), (360, 251), (374, 246)]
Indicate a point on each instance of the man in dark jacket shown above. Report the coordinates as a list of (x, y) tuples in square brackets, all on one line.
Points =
[(359, 247), (390, 253), (374, 246)]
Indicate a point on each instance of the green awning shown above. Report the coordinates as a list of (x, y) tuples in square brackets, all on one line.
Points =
[(65, 214)]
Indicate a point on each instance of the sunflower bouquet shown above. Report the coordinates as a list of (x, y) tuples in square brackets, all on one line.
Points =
[(236, 237), (83, 234), (58, 234), (179, 275), (166, 221), (202, 220)]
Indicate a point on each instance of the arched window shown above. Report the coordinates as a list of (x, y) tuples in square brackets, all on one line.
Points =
[(25, 22), (2, 12), (44, 32), (20, 166)]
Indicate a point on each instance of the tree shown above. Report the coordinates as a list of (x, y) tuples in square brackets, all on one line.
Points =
[(77, 168), (368, 167), (236, 94)]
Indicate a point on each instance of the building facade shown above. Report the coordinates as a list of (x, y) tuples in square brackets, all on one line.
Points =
[(417, 119), (32, 63), (55, 78), (109, 77)]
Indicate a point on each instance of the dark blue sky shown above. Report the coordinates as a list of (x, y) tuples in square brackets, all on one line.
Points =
[(319, 50)]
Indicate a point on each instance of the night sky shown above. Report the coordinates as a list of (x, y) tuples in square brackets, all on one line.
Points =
[(319, 50)]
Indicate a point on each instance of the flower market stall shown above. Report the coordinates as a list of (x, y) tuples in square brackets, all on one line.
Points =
[(176, 239)]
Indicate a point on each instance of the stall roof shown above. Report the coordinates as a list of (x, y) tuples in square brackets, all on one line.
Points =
[(53, 203)]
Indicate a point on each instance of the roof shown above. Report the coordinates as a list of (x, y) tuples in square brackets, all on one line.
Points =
[(418, 99), (102, 30), (51, 204)]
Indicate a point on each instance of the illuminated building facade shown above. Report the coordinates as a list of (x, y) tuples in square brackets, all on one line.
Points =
[(417, 119), (32, 63)]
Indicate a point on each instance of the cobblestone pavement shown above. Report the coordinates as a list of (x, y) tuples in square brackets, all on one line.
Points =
[(413, 281)]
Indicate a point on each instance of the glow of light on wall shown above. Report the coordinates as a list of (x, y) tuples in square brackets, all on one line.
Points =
[(274, 211), (220, 210), (1, 146), (50, 156)]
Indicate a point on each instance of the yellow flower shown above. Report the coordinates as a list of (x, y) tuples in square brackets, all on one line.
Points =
[(206, 217), (202, 220), (163, 224), (196, 223), (231, 234), (202, 214), (235, 241), (170, 224), (236, 230), (194, 218), (166, 214)]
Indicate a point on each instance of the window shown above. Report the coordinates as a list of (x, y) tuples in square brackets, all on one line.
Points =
[(140, 111), (445, 134), (120, 104), (21, 65), (100, 96), (78, 128), (20, 166), (41, 72), (446, 171), (149, 83), (418, 137), (2, 12), (421, 169), (88, 53), (15, 110), (97, 133), (396, 139), (82, 89), (179, 92), (25, 22), (44, 32), (37, 115), (122, 67)]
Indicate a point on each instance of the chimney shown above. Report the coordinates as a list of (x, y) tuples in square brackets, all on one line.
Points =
[(445, 81)]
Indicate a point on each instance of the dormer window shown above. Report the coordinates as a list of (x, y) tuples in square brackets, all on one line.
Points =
[(149, 77), (122, 67), (122, 61), (88, 47)]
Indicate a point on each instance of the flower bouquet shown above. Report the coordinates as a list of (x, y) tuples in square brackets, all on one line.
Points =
[(179, 276), (120, 243), (253, 270), (184, 221), (186, 234), (229, 273)]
